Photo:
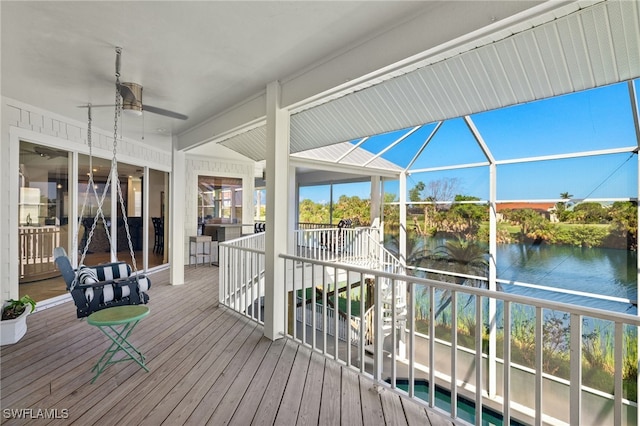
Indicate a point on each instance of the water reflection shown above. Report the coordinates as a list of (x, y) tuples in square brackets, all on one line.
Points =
[(602, 271)]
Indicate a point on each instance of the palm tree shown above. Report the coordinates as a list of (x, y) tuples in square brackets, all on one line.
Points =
[(566, 196), (464, 258), (562, 206)]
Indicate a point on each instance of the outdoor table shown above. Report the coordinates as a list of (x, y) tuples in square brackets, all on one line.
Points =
[(108, 321)]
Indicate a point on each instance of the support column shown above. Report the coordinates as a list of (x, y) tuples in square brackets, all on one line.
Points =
[(72, 240), (292, 243), (493, 248), (402, 238), (145, 218), (115, 205), (277, 181), (177, 214), (633, 97), (375, 200), (402, 251)]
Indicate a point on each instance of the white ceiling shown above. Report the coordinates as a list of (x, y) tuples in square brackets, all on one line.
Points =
[(196, 58), (385, 64)]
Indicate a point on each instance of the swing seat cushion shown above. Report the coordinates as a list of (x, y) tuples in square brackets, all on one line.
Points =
[(112, 277), (102, 286)]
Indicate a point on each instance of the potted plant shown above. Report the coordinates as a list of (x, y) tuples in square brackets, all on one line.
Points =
[(14, 319)]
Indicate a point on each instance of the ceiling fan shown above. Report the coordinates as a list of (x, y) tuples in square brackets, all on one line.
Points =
[(43, 151), (131, 94)]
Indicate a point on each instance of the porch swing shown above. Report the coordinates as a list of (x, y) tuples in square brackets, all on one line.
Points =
[(113, 284)]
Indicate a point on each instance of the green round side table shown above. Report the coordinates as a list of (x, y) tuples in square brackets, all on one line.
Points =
[(108, 320)]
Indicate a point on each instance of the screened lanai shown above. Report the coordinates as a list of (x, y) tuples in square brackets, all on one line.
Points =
[(516, 172), (540, 120), (536, 200), (562, 174)]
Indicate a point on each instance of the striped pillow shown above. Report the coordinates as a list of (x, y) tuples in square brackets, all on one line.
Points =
[(87, 275)]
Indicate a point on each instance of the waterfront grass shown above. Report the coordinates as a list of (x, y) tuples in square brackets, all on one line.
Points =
[(597, 349)]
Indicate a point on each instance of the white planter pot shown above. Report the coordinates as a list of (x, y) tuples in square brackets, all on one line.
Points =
[(12, 330)]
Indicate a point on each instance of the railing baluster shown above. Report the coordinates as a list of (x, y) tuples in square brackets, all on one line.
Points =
[(506, 397), (432, 346), (348, 319), (538, 380), (362, 323), (479, 386), (298, 267), (324, 310), (304, 302), (618, 365), (394, 334), (313, 307), (411, 317), (454, 354), (255, 301), (377, 373), (336, 314), (246, 281), (575, 374), (286, 296)]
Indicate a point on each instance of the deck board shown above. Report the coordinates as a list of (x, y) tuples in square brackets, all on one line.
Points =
[(208, 365), (330, 407), (312, 391), (371, 405), (290, 403), (351, 406), (270, 403)]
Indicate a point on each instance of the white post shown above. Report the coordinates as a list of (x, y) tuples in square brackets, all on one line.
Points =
[(145, 218), (402, 251), (277, 168), (402, 238), (9, 182), (375, 199), (633, 97), (248, 192), (115, 205), (176, 215), (293, 213), (73, 208), (493, 247)]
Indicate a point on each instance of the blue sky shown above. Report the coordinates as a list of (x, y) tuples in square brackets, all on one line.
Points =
[(585, 121)]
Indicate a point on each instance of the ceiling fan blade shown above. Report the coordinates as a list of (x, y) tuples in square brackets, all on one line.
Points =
[(164, 112), (97, 106)]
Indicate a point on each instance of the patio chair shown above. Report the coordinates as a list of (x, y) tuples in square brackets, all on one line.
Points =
[(332, 240)]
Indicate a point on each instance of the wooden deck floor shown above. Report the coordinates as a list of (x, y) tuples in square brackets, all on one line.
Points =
[(208, 366)]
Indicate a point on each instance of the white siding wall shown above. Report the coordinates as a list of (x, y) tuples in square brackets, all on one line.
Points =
[(25, 122)]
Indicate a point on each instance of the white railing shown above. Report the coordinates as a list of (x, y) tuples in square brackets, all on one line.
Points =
[(356, 246), (346, 329), (36, 251), (403, 351), (241, 275), (348, 245), (398, 348)]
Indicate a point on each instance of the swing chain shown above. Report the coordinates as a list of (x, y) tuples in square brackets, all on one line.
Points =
[(112, 179), (114, 163)]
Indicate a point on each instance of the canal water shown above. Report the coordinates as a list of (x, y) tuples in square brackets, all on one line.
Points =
[(600, 271), (596, 271)]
